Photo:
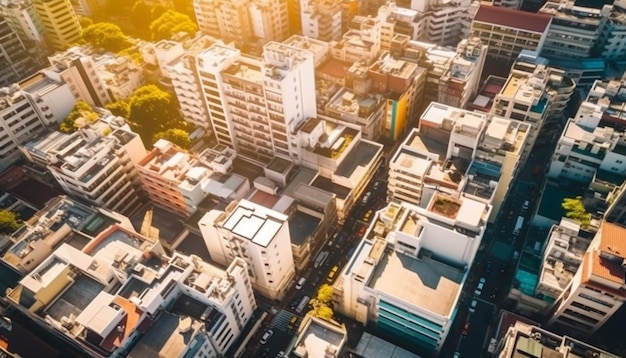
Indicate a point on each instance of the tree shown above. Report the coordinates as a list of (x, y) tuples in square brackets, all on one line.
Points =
[(575, 210), (107, 36), (175, 135), (141, 17), (118, 108), (85, 22), (171, 23), (81, 114), (325, 294), (322, 302), (9, 221), (152, 110)]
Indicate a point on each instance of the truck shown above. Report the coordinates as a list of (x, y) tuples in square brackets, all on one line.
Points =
[(518, 225)]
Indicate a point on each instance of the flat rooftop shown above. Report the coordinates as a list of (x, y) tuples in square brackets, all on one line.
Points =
[(424, 282), (169, 336), (360, 156), (76, 298), (254, 223), (326, 184), (318, 337), (301, 225), (372, 346)]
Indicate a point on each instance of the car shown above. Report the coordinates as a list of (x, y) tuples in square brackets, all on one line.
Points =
[(280, 354), (472, 307), (376, 185), (488, 267), (525, 205), (292, 322), (515, 255), (266, 336), (482, 280), (466, 328), (456, 355), (366, 198), (479, 288), (301, 282), (294, 303), (367, 215), (361, 231)]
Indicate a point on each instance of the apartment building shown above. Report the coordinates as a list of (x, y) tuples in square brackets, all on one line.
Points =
[(522, 339), (27, 109), (257, 104), (362, 42), (320, 49), (61, 221), (321, 19), (574, 30), (364, 110), (60, 23), (616, 208), (533, 97), (582, 152), (612, 40), (536, 289), (596, 291), (17, 61), (96, 167), (381, 283), (23, 19), (605, 100), (511, 4), (318, 337), (121, 76), (507, 32), (257, 235), (121, 295), (453, 74), (249, 24), (78, 69), (179, 181)]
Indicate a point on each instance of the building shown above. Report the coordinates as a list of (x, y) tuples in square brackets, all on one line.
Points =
[(256, 105), (559, 256), (121, 76), (27, 109), (364, 110), (320, 338), (60, 23), (321, 19), (596, 291), (23, 19), (78, 69), (407, 274), (122, 289), (507, 32), (17, 61), (584, 152), (257, 235), (248, 24), (611, 43), (512, 4), (61, 221), (574, 30), (522, 339), (362, 42), (179, 181), (605, 100), (94, 164)]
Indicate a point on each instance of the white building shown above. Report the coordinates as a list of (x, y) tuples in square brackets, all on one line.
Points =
[(612, 41), (583, 151), (95, 164), (259, 236), (118, 288), (596, 291), (320, 338), (27, 108), (121, 76), (77, 68), (23, 19), (321, 20), (362, 42), (407, 274), (256, 105)]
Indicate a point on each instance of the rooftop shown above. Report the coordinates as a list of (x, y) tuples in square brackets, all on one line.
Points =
[(169, 336), (301, 226), (318, 336), (359, 158), (511, 18), (372, 346), (422, 282), (254, 222)]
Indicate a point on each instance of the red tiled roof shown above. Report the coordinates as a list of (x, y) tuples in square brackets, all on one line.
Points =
[(128, 324), (513, 18), (613, 239)]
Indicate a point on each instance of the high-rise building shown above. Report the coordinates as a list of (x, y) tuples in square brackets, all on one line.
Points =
[(249, 24), (257, 235), (597, 290), (23, 19), (77, 68), (321, 19), (60, 23), (612, 43), (511, 4), (507, 31), (16, 62), (256, 105), (27, 109)]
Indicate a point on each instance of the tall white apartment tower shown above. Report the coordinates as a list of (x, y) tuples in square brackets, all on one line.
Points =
[(256, 104), (259, 236)]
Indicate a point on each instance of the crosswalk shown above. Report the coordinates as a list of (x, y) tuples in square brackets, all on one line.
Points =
[(281, 320)]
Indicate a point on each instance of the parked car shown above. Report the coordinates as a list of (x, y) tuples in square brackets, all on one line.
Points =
[(466, 328), (472, 307), (479, 288), (300, 283), (366, 198), (266, 336)]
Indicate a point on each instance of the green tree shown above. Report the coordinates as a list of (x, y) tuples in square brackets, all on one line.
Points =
[(107, 36), (325, 294), (81, 114), (575, 210), (119, 108), (175, 135), (170, 23), (9, 221), (152, 110)]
